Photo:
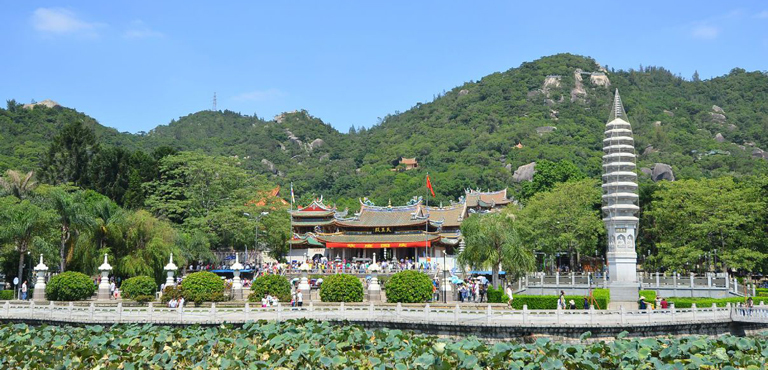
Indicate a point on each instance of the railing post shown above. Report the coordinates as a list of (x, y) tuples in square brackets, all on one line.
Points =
[(91, 309), (727, 282), (709, 280), (605, 280), (674, 283), (397, 310), (119, 311), (247, 310), (657, 279), (279, 311), (488, 315), (342, 309), (693, 308), (541, 280), (71, 308), (371, 311), (558, 314), (456, 314), (650, 312), (591, 314), (672, 310), (50, 310), (557, 279), (525, 314), (692, 283), (573, 279), (32, 307), (714, 311), (621, 309), (7, 308), (311, 306), (426, 312), (754, 291), (151, 311)]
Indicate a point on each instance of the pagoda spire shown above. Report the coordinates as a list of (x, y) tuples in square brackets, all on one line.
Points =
[(618, 111)]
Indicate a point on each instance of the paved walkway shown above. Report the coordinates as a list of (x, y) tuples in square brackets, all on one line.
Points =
[(111, 312)]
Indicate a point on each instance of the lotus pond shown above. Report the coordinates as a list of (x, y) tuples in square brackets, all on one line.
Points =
[(317, 345)]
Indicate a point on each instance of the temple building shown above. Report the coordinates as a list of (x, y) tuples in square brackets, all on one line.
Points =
[(413, 231)]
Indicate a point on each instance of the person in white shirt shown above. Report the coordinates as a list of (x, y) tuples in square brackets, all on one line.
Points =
[(299, 298)]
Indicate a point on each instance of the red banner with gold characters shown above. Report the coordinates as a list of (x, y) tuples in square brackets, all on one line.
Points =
[(379, 245)]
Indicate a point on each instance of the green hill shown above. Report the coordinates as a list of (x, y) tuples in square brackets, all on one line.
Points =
[(467, 136)]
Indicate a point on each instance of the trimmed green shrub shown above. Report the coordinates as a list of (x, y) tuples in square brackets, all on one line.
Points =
[(761, 292), (70, 286), (549, 302), (138, 286), (341, 288), (408, 287), (274, 285), (170, 292), (650, 296), (202, 286), (496, 295), (6, 295), (685, 302)]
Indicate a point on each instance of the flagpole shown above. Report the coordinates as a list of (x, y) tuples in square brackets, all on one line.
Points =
[(426, 226), (290, 245)]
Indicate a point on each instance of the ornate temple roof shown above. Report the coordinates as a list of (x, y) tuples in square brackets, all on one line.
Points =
[(314, 209), (475, 198), (448, 216), (375, 216)]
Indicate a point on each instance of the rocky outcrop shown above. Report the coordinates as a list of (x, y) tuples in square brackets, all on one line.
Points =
[(646, 171), (292, 138), (553, 114), (524, 172), (269, 165), (46, 103), (649, 149), (551, 81), (662, 171), (463, 92), (669, 113), (717, 117), (717, 109), (578, 93), (719, 138), (508, 166), (657, 124), (759, 153), (732, 127), (316, 144), (599, 79)]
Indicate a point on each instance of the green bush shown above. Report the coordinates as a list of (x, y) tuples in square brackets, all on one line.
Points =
[(202, 286), (549, 302), (685, 302), (170, 292), (138, 286), (341, 288), (70, 286), (497, 295), (408, 287), (6, 295), (274, 285), (650, 296), (761, 292)]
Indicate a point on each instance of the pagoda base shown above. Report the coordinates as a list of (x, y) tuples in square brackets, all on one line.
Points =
[(624, 294)]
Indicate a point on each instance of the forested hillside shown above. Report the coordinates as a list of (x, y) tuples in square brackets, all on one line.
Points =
[(466, 137)]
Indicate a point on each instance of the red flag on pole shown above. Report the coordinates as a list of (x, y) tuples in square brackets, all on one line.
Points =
[(429, 186)]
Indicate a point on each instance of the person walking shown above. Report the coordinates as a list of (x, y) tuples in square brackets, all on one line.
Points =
[(299, 298), (509, 296), (561, 301), (586, 303), (24, 291)]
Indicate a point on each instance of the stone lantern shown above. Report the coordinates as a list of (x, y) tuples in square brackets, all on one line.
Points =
[(304, 283), (374, 289), (40, 270), (237, 285), (171, 269), (105, 268)]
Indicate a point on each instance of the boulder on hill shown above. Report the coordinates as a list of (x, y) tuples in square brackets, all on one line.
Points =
[(717, 117), (717, 109), (270, 165), (46, 103), (759, 153), (719, 138), (463, 92), (524, 172), (647, 171), (316, 143), (662, 171)]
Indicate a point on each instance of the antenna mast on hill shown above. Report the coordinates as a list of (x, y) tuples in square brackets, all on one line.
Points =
[(214, 101)]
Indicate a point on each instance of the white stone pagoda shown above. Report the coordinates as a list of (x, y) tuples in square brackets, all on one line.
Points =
[(620, 205)]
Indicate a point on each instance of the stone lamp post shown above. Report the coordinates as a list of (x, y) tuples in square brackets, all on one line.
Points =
[(374, 289), (105, 268), (40, 270), (171, 270), (304, 283), (237, 285)]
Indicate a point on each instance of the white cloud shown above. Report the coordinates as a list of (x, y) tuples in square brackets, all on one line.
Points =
[(762, 15), (59, 21), (259, 95), (705, 32), (139, 30)]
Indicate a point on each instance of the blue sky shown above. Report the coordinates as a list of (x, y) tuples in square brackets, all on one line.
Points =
[(136, 64)]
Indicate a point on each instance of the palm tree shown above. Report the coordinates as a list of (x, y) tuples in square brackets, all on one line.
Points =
[(24, 226), (492, 241), (16, 184), (73, 218), (91, 246)]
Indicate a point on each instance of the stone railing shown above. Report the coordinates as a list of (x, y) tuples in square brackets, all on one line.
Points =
[(483, 315)]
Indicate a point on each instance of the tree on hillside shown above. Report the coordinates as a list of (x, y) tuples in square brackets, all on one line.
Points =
[(548, 174), (564, 219), (69, 155), (493, 242), (17, 184), (146, 246), (73, 218), (274, 232), (108, 218), (699, 216)]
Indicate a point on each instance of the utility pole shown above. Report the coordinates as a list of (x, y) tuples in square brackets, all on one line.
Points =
[(214, 102)]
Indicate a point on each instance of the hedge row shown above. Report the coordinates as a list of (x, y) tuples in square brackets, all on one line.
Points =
[(496, 295), (684, 302), (6, 295), (549, 302), (761, 292)]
